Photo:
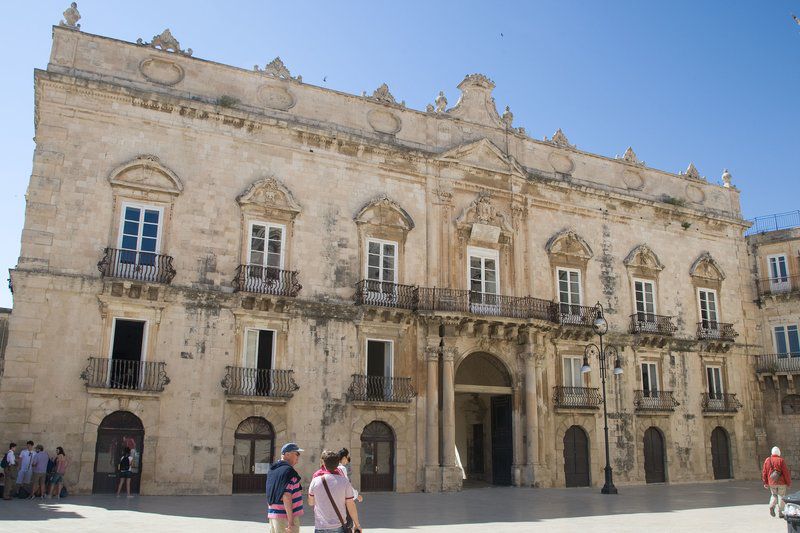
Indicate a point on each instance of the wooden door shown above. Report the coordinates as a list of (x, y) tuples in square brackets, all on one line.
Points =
[(654, 471), (501, 440), (116, 432), (720, 454), (576, 457), (253, 451), (377, 457)]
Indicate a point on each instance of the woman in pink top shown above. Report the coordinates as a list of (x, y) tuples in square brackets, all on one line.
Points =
[(57, 480)]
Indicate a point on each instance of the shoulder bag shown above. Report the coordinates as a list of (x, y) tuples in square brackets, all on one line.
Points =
[(347, 529)]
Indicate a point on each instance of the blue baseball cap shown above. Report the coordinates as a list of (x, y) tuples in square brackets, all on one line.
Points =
[(290, 447)]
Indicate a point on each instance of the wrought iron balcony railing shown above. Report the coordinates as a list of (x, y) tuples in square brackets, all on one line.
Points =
[(380, 389), (661, 400), (577, 397), (576, 315), (711, 330), (720, 402), (778, 362), (486, 304), (383, 294), (779, 285), (650, 323), (263, 382), (266, 280), (136, 265), (122, 374)]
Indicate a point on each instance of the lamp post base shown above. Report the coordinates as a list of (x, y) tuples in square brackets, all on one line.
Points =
[(609, 487)]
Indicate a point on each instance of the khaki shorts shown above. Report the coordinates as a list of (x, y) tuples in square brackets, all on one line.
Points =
[(37, 478), (277, 525)]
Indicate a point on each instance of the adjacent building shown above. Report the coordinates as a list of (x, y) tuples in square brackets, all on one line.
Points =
[(216, 261)]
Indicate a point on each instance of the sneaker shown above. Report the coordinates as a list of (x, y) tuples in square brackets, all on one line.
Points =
[(130, 495), (772, 511)]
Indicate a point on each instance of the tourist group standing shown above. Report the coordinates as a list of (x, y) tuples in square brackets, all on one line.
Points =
[(330, 493), (33, 472)]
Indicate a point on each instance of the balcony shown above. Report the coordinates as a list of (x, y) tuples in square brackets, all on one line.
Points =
[(710, 330), (646, 323), (576, 315), (576, 397), (136, 265), (777, 286), (720, 402), (266, 280), (780, 363), (124, 375), (258, 382), (662, 400), (383, 294), (485, 304), (380, 390)]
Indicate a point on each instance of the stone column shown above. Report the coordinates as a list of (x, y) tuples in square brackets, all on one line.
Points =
[(451, 474), (432, 470), (518, 470), (531, 416)]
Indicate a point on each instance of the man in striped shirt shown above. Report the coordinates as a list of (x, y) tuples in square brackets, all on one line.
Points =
[(284, 492)]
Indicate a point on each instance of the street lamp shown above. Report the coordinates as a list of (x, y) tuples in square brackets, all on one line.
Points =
[(600, 327)]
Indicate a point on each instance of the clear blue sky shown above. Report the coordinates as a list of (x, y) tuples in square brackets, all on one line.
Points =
[(713, 82)]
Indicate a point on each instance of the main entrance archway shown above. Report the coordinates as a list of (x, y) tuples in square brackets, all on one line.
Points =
[(654, 471), (253, 451), (377, 457), (117, 431), (484, 436), (720, 453)]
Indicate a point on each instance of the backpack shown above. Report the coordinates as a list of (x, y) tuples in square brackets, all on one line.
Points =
[(4, 462), (51, 465), (776, 474)]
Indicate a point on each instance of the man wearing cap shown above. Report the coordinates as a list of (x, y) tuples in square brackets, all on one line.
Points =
[(284, 492)]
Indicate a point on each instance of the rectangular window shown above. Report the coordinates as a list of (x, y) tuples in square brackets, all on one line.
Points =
[(778, 273), (572, 372), (714, 376), (644, 292), (139, 236), (483, 279), (650, 379), (569, 291), (379, 358), (708, 308), (127, 353), (381, 265), (265, 250), (259, 349), (787, 340)]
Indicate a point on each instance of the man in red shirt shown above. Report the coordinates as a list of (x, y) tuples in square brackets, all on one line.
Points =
[(777, 479)]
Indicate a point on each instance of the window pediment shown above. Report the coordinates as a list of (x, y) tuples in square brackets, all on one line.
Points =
[(146, 173), (643, 260), (386, 213), (269, 195), (568, 244), (705, 268), (485, 222)]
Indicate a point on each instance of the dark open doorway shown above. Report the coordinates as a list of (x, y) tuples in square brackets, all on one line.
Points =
[(502, 451), (126, 354), (117, 431)]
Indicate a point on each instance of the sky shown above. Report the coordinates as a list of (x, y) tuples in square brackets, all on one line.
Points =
[(716, 83)]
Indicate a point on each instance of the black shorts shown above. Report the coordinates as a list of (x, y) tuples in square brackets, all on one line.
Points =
[(125, 475)]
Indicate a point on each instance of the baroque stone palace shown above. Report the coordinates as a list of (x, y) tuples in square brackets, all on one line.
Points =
[(216, 261)]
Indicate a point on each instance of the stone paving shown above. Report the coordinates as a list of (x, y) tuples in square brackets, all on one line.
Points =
[(718, 507)]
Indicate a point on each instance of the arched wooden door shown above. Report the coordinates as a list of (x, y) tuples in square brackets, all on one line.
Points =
[(253, 451), (721, 453), (654, 471), (377, 457), (117, 431), (576, 457)]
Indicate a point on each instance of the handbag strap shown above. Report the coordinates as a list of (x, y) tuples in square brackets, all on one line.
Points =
[(330, 497)]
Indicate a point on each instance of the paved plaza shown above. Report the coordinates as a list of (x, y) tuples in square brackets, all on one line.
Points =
[(724, 506)]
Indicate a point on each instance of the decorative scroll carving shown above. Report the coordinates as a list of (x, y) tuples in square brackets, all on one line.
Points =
[(277, 69), (569, 243), (482, 211), (270, 193), (432, 353), (382, 95), (643, 259), (71, 17), (706, 268), (166, 42), (385, 212)]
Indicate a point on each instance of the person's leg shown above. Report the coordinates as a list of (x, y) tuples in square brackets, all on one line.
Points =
[(119, 485), (295, 524), (128, 486), (11, 479), (781, 495), (277, 525)]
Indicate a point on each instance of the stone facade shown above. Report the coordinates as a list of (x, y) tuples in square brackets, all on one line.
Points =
[(467, 231)]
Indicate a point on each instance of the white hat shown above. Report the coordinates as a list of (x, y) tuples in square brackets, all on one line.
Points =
[(776, 451)]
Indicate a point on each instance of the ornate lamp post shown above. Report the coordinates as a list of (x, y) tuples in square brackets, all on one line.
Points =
[(600, 327)]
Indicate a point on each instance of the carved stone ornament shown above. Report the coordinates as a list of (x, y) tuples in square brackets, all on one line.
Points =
[(71, 17), (166, 42), (706, 268), (569, 243), (384, 121), (642, 257), (630, 157), (146, 173), (507, 118), (559, 139), (382, 95), (695, 193), (476, 103), (440, 102), (485, 220), (726, 179), (161, 71), (277, 69), (269, 193), (385, 212), (691, 172), (633, 179), (432, 353), (484, 155)]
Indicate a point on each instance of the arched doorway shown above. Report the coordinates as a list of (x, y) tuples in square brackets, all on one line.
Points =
[(253, 451), (377, 457), (576, 457), (484, 434), (721, 453), (654, 471), (117, 431)]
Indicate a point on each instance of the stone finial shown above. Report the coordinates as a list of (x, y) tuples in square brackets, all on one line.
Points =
[(383, 95), (166, 42), (559, 139), (440, 102), (726, 179), (691, 172), (278, 70), (507, 117), (71, 17), (630, 157)]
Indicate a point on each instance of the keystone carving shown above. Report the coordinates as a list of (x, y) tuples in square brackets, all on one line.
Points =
[(166, 42), (71, 17), (277, 69)]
